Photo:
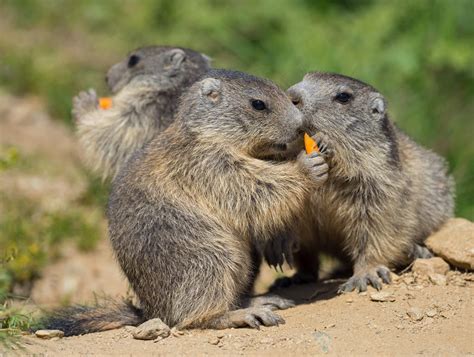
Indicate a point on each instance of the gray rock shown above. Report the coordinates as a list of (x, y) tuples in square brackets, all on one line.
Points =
[(151, 330), (382, 296), (415, 313), (434, 265), (49, 334), (454, 242)]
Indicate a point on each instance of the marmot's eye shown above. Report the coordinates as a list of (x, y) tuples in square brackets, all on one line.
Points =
[(133, 60), (258, 105), (343, 97)]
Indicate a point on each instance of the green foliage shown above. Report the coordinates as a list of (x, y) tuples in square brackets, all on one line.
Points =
[(97, 192), (9, 158), (30, 234), (12, 321), (37, 234), (418, 53)]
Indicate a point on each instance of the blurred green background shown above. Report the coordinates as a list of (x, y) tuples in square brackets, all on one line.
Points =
[(419, 53)]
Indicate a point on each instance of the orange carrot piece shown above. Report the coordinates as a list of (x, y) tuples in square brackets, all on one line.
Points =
[(309, 144), (105, 103)]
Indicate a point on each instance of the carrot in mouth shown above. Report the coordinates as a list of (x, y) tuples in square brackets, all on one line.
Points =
[(309, 144)]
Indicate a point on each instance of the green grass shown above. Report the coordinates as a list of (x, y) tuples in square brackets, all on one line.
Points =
[(38, 234), (30, 234), (12, 321)]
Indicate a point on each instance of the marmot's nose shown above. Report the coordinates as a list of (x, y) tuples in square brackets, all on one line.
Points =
[(295, 96)]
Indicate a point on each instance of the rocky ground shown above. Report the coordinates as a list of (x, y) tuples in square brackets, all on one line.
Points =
[(411, 316), (427, 310)]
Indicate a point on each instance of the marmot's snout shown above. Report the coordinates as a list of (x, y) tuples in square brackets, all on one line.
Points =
[(295, 96)]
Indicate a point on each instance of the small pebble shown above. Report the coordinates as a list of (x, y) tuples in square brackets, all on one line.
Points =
[(49, 334), (431, 313), (153, 329), (213, 340), (444, 314), (415, 313), (382, 296)]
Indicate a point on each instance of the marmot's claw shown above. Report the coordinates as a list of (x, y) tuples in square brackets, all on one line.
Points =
[(360, 281), (323, 146), (256, 316), (384, 274), (278, 249)]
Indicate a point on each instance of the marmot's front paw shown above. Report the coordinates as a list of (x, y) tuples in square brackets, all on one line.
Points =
[(279, 249), (324, 148), (254, 317), (360, 280), (84, 103), (315, 165)]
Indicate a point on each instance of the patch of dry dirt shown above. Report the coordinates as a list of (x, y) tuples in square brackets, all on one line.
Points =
[(80, 277), (322, 323), (441, 321)]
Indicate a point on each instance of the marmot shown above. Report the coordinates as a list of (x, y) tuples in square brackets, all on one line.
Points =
[(146, 87), (385, 194), (186, 211)]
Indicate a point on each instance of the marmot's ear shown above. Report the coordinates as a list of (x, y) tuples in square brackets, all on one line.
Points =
[(377, 106), (211, 89), (176, 56)]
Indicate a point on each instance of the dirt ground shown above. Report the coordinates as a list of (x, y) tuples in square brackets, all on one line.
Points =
[(423, 319), (441, 323)]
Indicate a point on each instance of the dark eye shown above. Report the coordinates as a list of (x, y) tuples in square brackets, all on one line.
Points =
[(133, 60), (258, 105), (343, 97)]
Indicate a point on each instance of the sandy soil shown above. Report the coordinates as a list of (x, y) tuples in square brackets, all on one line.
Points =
[(321, 323)]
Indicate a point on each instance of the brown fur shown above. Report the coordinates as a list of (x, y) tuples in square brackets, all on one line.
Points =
[(187, 212), (385, 194), (146, 87)]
